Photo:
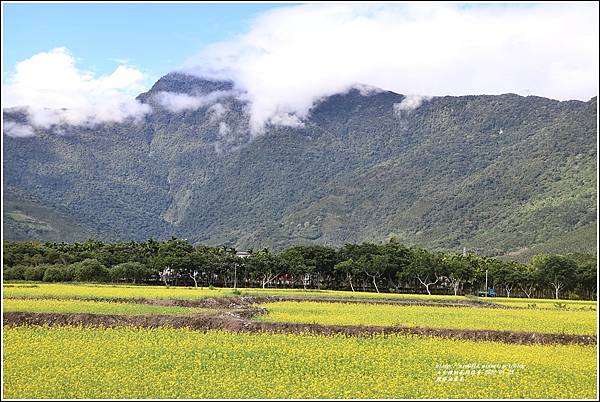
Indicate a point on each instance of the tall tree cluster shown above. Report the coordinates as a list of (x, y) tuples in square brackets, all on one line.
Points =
[(385, 267)]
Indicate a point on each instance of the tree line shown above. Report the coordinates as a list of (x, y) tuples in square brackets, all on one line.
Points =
[(385, 267)]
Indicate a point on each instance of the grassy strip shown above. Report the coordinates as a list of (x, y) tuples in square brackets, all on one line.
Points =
[(545, 321)]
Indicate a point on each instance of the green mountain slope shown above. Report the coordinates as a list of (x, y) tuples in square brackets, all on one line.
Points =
[(501, 175), (24, 219)]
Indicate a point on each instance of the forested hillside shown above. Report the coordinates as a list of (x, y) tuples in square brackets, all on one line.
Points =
[(500, 175)]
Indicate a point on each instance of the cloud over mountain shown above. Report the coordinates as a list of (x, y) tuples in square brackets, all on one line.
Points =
[(54, 91), (176, 102), (291, 57), (14, 129)]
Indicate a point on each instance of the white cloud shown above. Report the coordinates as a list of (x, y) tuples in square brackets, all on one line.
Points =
[(286, 119), (223, 129), (295, 55), (176, 102), (56, 92), (410, 102), (14, 129), (217, 111)]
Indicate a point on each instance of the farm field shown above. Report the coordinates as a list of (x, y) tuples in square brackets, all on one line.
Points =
[(94, 307), (533, 320), (48, 356), (88, 290), (75, 290), (544, 303), (71, 362)]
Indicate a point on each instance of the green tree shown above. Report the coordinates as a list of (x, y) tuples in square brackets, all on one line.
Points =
[(89, 270), (459, 271), (505, 274), (428, 268), (35, 273), (202, 262), (587, 276), (350, 269), (297, 265), (397, 259), (528, 279), (16, 272), (58, 273), (170, 258), (265, 266), (130, 271), (556, 270)]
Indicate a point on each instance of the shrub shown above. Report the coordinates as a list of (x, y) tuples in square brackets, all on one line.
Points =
[(14, 273), (58, 273), (116, 273), (89, 270), (35, 273), (131, 271)]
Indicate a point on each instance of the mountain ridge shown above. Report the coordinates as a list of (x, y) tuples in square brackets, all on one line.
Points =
[(495, 173)]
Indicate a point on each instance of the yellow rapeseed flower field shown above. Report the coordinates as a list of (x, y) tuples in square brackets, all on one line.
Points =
[(130, 362), (126, 362), (76, 290), (94, 307), (86, 290), (531, 320), (545, 303)]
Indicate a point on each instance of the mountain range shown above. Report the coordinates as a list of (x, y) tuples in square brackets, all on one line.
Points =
[(502, 175)]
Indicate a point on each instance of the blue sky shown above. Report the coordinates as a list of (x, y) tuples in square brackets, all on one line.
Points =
[(153, 37)]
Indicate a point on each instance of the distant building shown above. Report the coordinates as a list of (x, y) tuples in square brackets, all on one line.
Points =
[(242, 254)]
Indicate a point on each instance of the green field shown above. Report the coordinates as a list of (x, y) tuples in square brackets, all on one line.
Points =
[(94, 307), (72, 362), (547, 321)]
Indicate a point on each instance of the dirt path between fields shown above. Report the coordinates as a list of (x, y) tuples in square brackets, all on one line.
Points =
[(240, 322)]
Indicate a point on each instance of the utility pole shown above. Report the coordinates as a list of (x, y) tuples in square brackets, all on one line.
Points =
[(235, 275), (486, 283)]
